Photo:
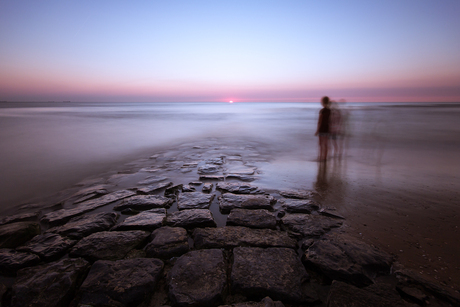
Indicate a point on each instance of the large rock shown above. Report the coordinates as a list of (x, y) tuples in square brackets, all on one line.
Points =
[(49, 246), (63, 215), (274, 272), (238, 188), (15, 234), (48, 285), (259, 218), (191, 218), (194, 200), (22, 217), (344, 258), (233, 236), (147, 220), (299, 194), (108, 245), (309, 225), (11, 260), (299, 206), (208, 169), (198, 278), (168, 242), (126, 282), (144, 202), (228, 202), (82, 226), (342, 294), (89, 193), (155, 187)]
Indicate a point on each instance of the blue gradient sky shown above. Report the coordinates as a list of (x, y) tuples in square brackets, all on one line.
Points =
[(405, 50)]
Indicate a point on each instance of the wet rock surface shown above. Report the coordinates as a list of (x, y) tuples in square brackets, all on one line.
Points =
[(289, 253), (126, 282), (198, 278), (259, 218), (108, 245)]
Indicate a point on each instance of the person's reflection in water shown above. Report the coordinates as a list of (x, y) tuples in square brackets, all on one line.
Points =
[(321, 184)]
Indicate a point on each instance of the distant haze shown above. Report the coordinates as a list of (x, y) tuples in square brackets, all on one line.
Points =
[(288, 51)]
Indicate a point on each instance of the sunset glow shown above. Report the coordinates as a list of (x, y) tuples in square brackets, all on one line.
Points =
[(291, 51)]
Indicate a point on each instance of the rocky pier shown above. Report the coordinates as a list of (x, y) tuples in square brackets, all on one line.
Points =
[(159, 243)]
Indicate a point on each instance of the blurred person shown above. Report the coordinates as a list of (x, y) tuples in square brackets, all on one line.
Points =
[(322, 130), (335, 129)]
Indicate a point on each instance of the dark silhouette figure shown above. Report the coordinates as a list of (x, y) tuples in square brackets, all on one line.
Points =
[(335, 129), (323, 129)]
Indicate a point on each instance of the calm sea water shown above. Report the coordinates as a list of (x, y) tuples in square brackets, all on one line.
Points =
[(46, 147)]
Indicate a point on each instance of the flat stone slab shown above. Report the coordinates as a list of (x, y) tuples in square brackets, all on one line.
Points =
[(238, 188), (207, 187), (194, 200), (146, 220), (48, 246), (208, 169), (299, 206), (88, 193), (144, 202), (82, 226), (298, 194), (154, 187), (274, 272), (191, 218), (22, 217), (12, 260), (15, 234), (151, 180), (108, 245), (309, 225), (229, 201), (233, 236), (127, 282), (63, 215), (167, 242), (50, 285), (198, 278), (259, 218), (343, 258), (212, 177)]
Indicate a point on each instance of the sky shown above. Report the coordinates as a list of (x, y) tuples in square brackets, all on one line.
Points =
[(193, 50)]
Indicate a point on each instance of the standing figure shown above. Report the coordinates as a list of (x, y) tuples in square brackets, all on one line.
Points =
[(335, 129), (323, 128)]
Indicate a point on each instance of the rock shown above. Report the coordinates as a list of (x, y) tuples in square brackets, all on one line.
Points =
[(168, 242), (188, 188), (207, 187), (108, 245), (127, 282), (198, 278), (11, 260), (309, 225), (173, 190), (194, 200), (144, 202), (195, 183), (155, 187), (344, 258), (266, 302), (191, 218), (63, 215), (275, 272), (299, 206), (259, 218), (88, 193), (217, 160), (49, 246), (149, 169), (147, 220), (23, 217), (241, 177), (15, 234), (151, 180), (50, 285), (228, 201), (212, 177), (413, 294), (233, 236), (328, 213), (342, 294), (207, 169), (238, 188), (82, 226), (299, 194)]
